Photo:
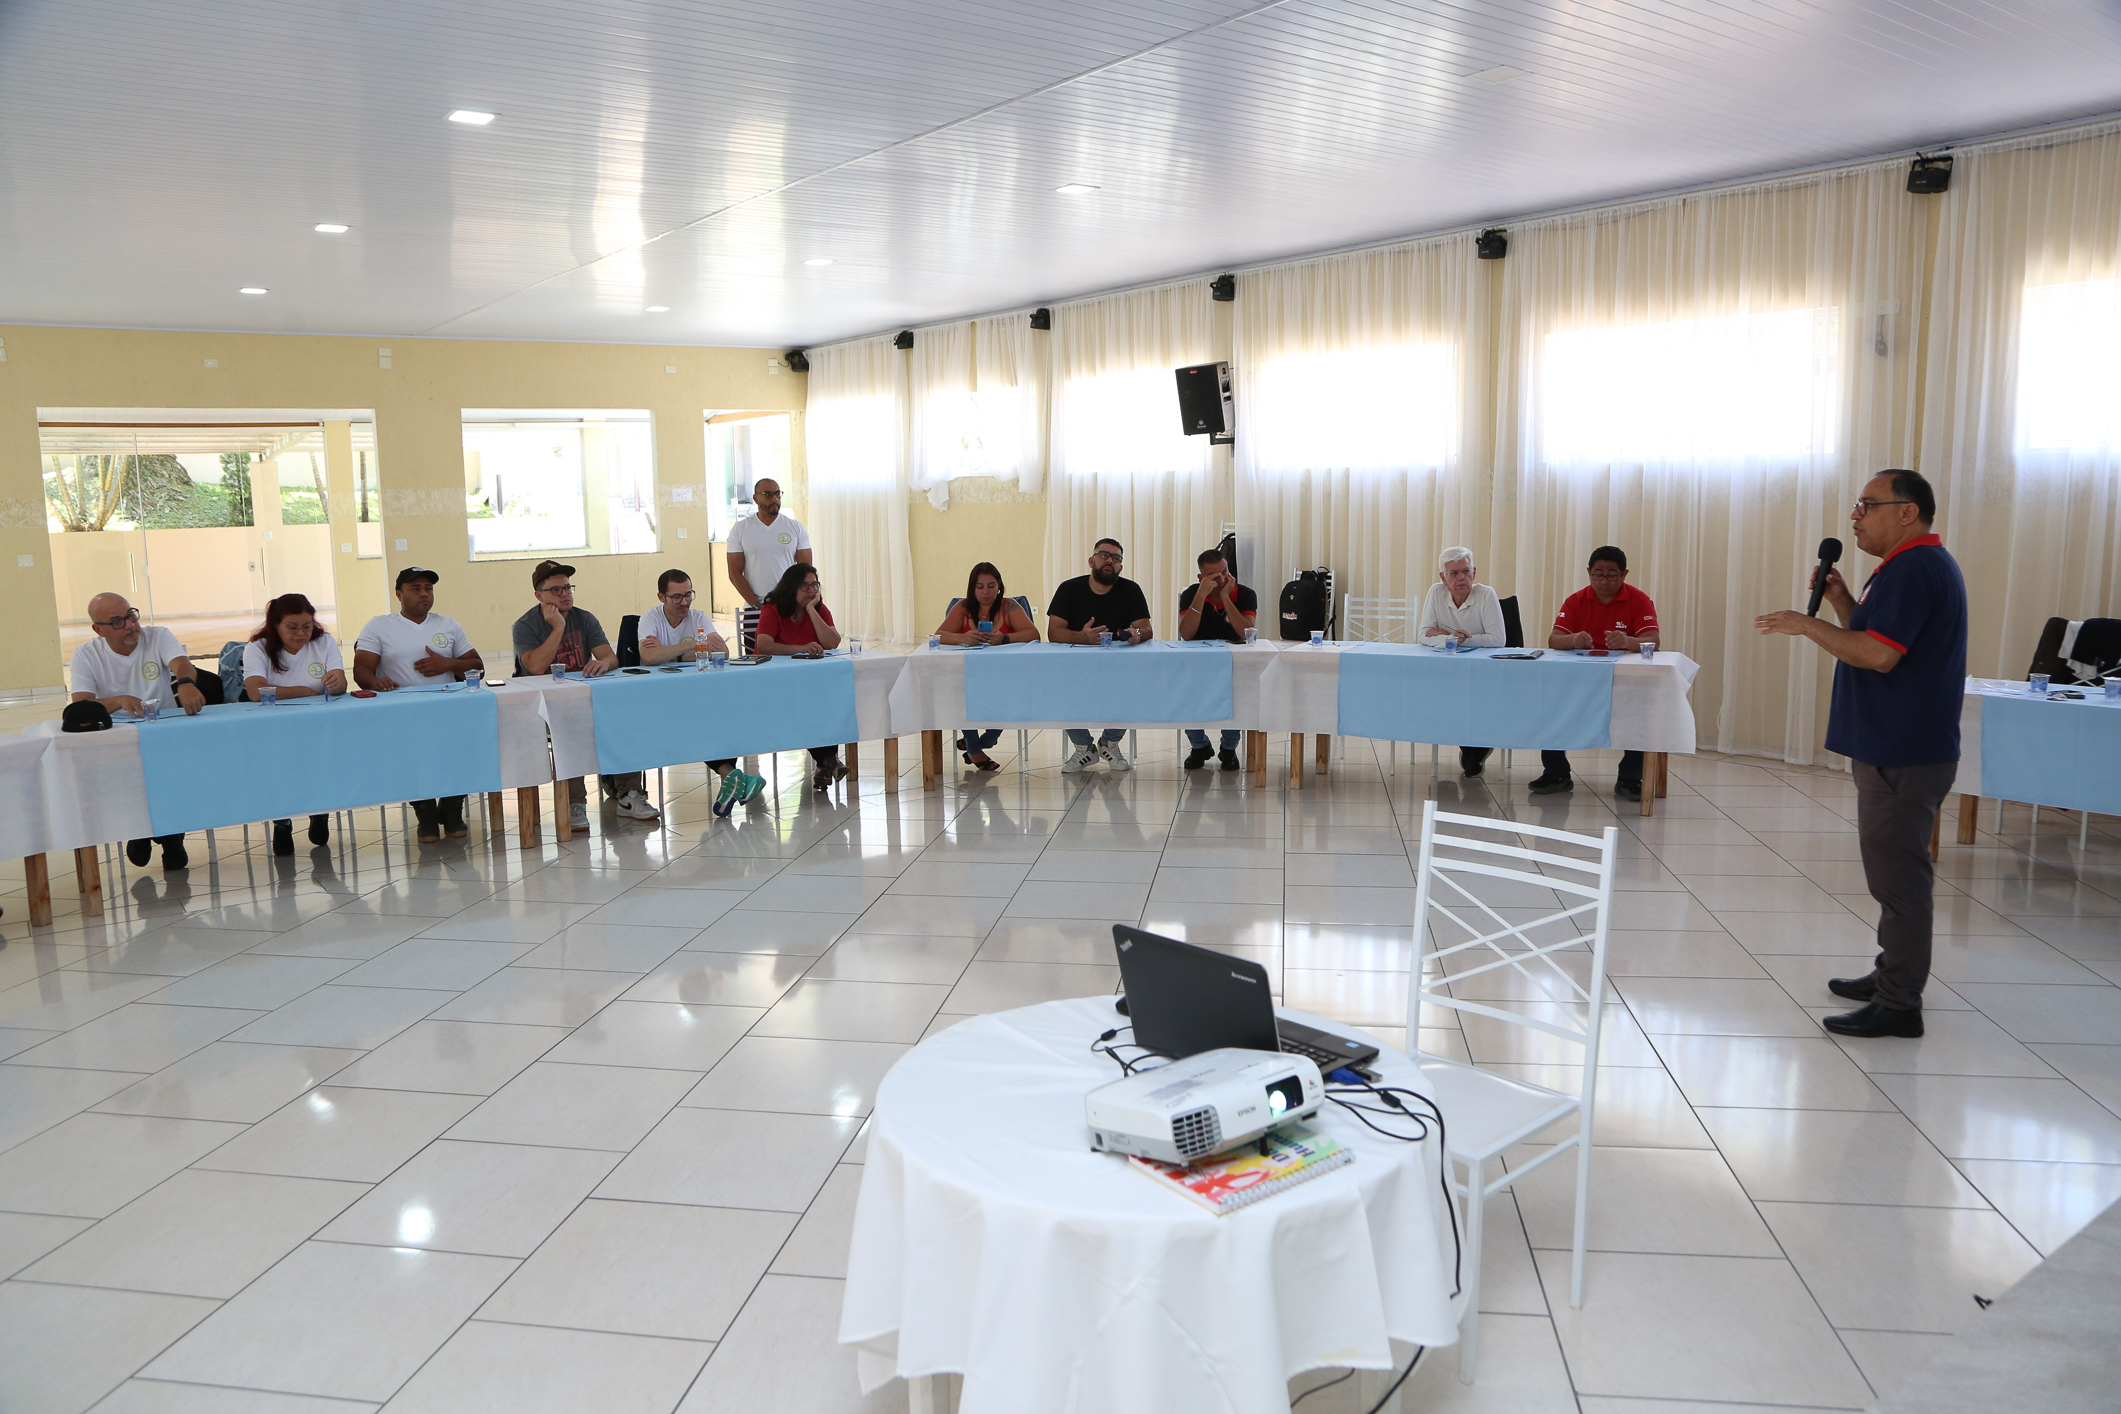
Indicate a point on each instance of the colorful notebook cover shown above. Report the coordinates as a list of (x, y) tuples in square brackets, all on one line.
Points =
[(1251, 1172)]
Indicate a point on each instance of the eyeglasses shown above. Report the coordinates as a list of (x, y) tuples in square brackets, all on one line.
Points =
[(1609, 574), (1864, 508), (557, 589), (686, 598), (129, 617), (1108, 555)]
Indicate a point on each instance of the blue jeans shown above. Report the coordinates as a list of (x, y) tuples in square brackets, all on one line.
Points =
[(1080, 736), (1199, 739), (969, 741)]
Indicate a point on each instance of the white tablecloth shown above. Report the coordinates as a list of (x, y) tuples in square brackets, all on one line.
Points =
[(991, 1241), (930, 693), (24, 826)]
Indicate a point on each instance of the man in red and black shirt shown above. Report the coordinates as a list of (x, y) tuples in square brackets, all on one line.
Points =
[(1611, 614), (1899, 675)]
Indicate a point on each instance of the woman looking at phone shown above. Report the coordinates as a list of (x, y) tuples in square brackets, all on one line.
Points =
[(984, 617), (293, 657)]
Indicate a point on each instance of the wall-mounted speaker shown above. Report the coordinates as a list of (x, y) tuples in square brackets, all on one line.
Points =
[(797, 361), (1204, 404), (904, 339), (1042, 319), (1927, 176)]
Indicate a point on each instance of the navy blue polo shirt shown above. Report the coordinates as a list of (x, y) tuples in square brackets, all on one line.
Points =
[(1915, 601)]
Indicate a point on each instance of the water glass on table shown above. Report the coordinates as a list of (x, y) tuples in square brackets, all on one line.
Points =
[(717, 658), (1104, 638), (854, 647), (1251, 636), (2036, 684), (269, 695), (559, 671), (1649, 650), (2113, 688), (1318, 638), (475, 679), (150, 708)]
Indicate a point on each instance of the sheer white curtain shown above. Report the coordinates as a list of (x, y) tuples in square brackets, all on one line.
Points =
[(855, 444), (2022, 420), (976, 398), (1705, 382), (1363, 417), (1121, 464), (945, 435), (1010, 368)]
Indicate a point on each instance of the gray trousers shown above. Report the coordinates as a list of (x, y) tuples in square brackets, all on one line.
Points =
[(1896, 808)]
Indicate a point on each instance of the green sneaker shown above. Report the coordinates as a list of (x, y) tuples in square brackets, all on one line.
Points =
[(756, 784), (732, 791)]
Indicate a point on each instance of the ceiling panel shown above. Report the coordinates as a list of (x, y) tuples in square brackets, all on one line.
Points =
[(156, 157)]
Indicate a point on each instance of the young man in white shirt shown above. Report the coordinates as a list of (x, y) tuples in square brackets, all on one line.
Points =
[(760, 549), (674, 632), (412, 647), (1461, 609), (125, 667)]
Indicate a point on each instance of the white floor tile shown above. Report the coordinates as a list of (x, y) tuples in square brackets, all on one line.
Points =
[(1658, 954), (784, 893), (62, 1348), (24, 1237), (818, 1247), (798, 934), (643, 1268), (781, 1357), (1681, 1201), (657, 1035), (254, 981), (1003, 986), (1888, 1357), (687, 1160), (932, 917), (608, 947), (34, 1098), (356, 1018), (1836, 1156), (1952, 1043), (510, 921), (2084, 1015), (1899, 1268), (166, 1397), (92, 1165), (343, 935), (58, 1001), (341, 1132), (199, 1234), (2047, 1203), (436, 964), (496, 1200), (173, 952), (143, 1036), (853, 1011), (2096, 1070), (537, 996), (1982, 1117), (576, 1106), (793, 1076), (230, 1080), (336, 1319), (742, 979), (526, 1370)]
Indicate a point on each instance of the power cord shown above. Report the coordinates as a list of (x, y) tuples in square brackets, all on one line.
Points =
[(1419, 1351), (1390, 1095), (1103, 1046)]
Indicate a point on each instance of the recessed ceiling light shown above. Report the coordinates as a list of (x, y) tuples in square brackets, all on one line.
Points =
[(821, 260), (1501, 73), (253, 290), (659, 309), (1074, 188), (331, 228), (471, 116)]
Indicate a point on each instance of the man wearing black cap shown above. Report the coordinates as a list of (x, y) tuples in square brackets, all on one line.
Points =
[(553, 631), (407, 649), (127, 667)]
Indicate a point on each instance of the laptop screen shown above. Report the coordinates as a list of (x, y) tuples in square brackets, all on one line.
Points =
[(1185, 999)]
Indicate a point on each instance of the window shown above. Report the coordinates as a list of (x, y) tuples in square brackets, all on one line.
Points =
[(1753, 385), (1127, 423), (545, 480), (1369, 409), (975, 434), (853, 442), (2069, 365), (743, 448)]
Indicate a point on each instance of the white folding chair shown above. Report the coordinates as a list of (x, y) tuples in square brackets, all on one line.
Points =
[(1486, 1114)]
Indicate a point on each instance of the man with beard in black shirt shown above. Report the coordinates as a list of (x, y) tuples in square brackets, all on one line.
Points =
[(1083, 608)]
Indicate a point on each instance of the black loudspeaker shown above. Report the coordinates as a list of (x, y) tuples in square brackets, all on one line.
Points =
[(1224, 289), (1204, 401), (1926, 176), (1042, 319), (904, 339), (797, 362), (1492, 244)]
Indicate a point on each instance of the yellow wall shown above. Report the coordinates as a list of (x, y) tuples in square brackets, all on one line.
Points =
[(419, 449), (987, 520)]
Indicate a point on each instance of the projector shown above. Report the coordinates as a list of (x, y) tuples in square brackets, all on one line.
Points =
[(1202, 1105)]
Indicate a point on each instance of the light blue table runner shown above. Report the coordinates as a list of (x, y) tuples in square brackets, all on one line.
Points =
[(2061, 753), (1396, 692), (244, 761), (1064, 682), (667, 718)]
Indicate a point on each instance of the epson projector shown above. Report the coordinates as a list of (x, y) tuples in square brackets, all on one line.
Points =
[(1202, 1105)]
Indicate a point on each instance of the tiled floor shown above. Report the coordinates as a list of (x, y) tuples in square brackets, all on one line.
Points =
[(580, 1129)]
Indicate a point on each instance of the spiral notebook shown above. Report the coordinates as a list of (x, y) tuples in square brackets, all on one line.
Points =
[(1252, 1171)]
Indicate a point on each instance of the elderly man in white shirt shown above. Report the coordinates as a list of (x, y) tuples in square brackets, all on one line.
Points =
[(1460, 607), (127, 668)]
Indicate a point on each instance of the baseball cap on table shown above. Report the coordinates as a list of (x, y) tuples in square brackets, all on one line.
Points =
[(413, 572), (85, 716), (547, 569)]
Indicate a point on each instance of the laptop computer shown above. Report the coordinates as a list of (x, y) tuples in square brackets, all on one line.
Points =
[(1185, 999)]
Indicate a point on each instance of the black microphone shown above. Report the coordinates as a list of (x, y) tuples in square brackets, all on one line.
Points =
[(1829, 551)]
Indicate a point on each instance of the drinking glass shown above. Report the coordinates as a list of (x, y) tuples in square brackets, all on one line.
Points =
[(1649, 650), (1251, 635), (2036, 684), (854, 646), (935, 640), (1104, 638), (717, 658), (150, 708), (2113, 688), (269, 695), (1317, 637), (475, 679), (559, 671)]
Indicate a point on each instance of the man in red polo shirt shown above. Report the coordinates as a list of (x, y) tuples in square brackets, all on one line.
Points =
[(1612, 614)]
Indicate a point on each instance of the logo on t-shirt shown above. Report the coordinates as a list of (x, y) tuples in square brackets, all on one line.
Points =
[(150, 670), (316, 670), (785, 538), (440, 641)]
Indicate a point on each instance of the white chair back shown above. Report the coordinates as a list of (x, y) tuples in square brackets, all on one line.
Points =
[(1378, 620)]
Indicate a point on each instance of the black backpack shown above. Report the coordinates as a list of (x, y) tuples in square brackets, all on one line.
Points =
[(1307, 605)]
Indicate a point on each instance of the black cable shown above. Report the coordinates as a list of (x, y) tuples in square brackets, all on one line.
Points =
[(1390, 1095), (1342, 1379), (1419, 1351)]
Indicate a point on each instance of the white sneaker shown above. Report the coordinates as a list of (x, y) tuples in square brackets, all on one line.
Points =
[(634, 806), (578, 818), (1115, 753), (1081, 757)]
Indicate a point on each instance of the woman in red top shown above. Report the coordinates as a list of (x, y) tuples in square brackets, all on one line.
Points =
[(794, 623), (986, 602)]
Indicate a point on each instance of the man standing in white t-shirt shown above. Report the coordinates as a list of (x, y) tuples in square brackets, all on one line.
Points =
[(412, 647), (125, 667), (761, 547), (674, 631)]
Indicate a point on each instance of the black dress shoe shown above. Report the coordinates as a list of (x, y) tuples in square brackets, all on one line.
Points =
[(175, 855), (283, 837), (140, 851), (1228, 758), (1472, 760), (1553, 785), (1856, 989), (1627, 790), (1875, 1020), (320, 829), (1199, 757)]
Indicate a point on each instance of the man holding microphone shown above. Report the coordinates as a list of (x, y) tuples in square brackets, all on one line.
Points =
[(1898, 679)]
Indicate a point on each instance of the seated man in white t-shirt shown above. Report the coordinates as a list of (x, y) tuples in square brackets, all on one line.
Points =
[(126, 667), (410, 648), (676, 632), (294, 657), (1460, 607)]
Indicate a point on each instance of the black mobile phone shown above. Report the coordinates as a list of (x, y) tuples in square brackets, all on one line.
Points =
[(637, 672)]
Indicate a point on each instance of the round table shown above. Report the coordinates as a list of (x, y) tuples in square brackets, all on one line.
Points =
[(992, 1242)]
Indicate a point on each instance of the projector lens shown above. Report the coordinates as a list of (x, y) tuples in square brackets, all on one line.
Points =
[(1285, 1095)]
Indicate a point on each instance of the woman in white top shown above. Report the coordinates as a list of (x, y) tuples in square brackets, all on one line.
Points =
[(1461, 608), (295, 658)]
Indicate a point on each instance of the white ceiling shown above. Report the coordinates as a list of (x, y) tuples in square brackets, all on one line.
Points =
[(155, 156)]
